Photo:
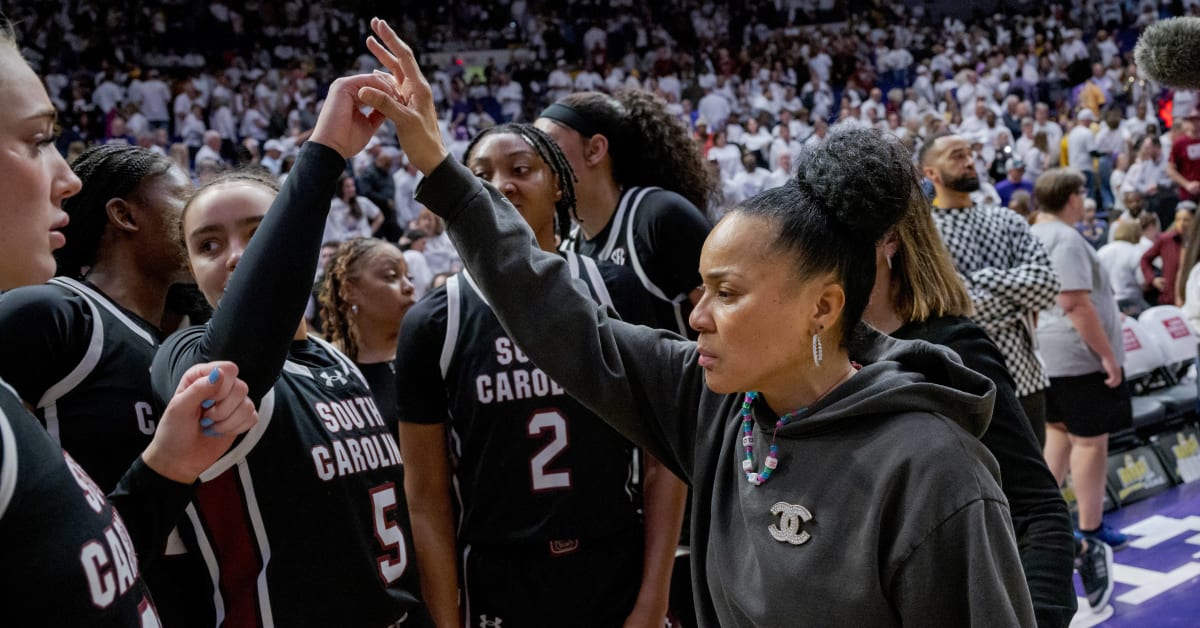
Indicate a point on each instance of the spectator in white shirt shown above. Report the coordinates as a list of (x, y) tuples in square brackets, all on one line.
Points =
[(714, 108), (351, 215), (511, 96), (1122, 260), (1081, 147), (756, 140), (211, 150), (728, 156), (406, 179), (1054, 132), (154, 99)]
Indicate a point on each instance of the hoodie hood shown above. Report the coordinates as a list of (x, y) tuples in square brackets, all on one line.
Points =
[(898, 376)]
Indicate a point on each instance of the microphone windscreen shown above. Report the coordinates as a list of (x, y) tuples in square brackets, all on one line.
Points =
[(1168, 52)]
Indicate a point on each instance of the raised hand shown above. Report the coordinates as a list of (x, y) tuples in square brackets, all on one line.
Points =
[(209, 409), (407, 100), (341, 124)]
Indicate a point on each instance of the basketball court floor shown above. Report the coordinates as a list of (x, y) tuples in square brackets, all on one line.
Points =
[(1158, 575)]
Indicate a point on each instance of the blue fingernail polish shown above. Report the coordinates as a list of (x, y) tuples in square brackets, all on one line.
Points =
[(214, 376), (210, 432), (206, 422), (207, 403)]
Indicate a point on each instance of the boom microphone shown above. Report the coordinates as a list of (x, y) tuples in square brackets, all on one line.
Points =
[(1168, 52)]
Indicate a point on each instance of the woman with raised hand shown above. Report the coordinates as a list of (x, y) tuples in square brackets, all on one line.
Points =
[(918, 296), (364, 296), (92, 331), (321, 479), (823, 492), (549, 533), (69, 559)]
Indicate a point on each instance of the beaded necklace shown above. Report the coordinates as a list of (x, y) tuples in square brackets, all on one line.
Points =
[(772, 461)]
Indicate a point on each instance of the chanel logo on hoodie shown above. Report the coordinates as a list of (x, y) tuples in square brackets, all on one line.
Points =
[(790, 518)]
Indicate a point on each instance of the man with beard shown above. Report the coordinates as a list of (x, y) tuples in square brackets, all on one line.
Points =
[(1007, 273)]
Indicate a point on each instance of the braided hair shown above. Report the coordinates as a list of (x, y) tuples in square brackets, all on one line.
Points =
[(107, 172), (552, 155), (346, 265)]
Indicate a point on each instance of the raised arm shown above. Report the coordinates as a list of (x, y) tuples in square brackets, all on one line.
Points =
[(645, 383), (258, 315)]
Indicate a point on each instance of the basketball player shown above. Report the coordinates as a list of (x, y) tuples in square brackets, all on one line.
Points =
[(641, 180), (95, 327), (304, 522), (549, 533), (69, 558)]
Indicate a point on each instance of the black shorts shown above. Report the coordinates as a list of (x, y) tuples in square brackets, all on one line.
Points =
[(1087, 407), (585, 583)]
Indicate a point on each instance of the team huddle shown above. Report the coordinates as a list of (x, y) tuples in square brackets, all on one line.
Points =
[(521, 454)]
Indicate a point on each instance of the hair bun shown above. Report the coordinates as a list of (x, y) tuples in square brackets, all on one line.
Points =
[(863, 178)]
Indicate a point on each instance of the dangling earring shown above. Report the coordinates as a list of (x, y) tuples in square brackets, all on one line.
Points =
[(354, 309), (889, 261), (818, 350)]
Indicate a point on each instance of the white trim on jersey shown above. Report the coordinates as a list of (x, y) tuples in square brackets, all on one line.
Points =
[(8, 468), (210, 560), (50, 415), (90, 359), (599, 289), (264, 546), (175, 545), (266, 408), (453, 316), (629, 203), (636, 262), (106, 304), (466, 584), (296, 369)]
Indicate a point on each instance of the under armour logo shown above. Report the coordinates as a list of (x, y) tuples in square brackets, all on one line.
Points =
[(790, 518), (617, 257), (333, 379), (494, 622)]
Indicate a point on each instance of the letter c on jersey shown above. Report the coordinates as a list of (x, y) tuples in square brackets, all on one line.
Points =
[(790, 518)]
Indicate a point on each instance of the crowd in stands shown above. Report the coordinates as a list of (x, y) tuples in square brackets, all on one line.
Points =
[(1031, 87)]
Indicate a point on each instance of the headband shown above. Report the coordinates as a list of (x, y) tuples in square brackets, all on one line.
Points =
[(570, 116)]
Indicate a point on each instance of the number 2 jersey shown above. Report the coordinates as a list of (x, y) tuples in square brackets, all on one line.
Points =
[(530, 463), (68, 558), (303, 522)]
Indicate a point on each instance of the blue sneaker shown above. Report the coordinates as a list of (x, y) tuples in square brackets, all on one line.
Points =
[(1111, 537)]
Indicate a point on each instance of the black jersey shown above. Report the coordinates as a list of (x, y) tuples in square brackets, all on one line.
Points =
[(307, 507), (530, 463), (303, 522), (68, 557), (83, 363), (381, 377), (658, 234)]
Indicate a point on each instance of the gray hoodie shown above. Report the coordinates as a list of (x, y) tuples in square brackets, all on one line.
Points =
[(885, 509)]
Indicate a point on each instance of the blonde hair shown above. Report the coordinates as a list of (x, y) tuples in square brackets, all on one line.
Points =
[(924, 278), (1127, 231)]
